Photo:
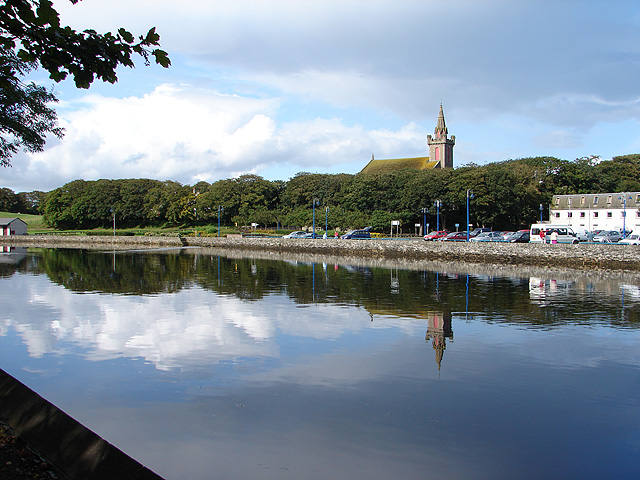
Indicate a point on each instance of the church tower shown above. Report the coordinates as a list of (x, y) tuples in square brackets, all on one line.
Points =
[(441, 147)]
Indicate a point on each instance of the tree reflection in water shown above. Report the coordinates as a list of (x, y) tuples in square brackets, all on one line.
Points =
[(290, 361)]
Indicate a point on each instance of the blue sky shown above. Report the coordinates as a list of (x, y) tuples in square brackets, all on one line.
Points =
[(276, 87)]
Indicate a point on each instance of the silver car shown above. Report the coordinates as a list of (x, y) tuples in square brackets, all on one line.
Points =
[(487, 237), (610, 236), (298, 234)]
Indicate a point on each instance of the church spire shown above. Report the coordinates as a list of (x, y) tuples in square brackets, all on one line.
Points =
[(441, 127)]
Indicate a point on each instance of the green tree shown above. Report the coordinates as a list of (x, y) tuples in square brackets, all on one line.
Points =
[(31, 37), (162, 203), (58, 209), (131, 195), (32, 202), (9, 201)]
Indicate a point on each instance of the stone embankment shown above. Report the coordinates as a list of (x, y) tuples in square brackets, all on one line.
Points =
[(583, 256)]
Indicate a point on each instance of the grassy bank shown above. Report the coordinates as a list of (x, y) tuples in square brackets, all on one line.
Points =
[(35, 223)]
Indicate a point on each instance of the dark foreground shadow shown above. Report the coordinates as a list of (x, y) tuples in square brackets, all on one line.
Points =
[(74, 449)]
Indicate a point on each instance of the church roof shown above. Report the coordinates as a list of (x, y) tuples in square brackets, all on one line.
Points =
[(393, 164)]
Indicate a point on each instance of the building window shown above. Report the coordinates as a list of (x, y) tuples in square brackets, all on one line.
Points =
[(581, 214), (570, 214), (609, 214), (595, 214), (581, 200), (637, 198), (557, 200), (569, 200), (557, 215), (595, 200), (609, 199)]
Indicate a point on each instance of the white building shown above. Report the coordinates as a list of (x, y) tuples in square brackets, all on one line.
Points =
[(600, 211)]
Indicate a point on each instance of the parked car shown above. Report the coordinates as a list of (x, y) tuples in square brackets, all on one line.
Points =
[(298, 234), (436, 234), (582, 234), (609, 236), (632, 239), (487, 237), (357, 234), (455, 237), (476, 231), (521, 236)]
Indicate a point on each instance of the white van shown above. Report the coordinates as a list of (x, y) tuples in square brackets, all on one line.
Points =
[(565, 233)]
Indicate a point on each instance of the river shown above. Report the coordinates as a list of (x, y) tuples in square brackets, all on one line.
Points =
[(203, 365)]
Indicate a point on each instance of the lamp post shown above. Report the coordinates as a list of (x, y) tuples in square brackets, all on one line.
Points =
[(469, 195), (326, 220), (540, 213), (220, 207), (113, 213), (314, 203), (424, 220), (437, 205), (624, 214)]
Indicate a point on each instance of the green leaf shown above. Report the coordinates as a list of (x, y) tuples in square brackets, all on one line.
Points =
[(26, 56), (162, 58), (47, 14), (126, 36), (152, 37)]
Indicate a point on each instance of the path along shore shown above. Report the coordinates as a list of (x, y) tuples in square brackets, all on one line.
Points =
[(603, 260), (581, 256)]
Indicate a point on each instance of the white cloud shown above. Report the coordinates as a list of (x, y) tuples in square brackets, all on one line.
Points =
[(287, 86), (185, 134)]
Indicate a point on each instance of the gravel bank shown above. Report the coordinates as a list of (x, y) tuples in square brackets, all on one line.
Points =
[(583, 256)]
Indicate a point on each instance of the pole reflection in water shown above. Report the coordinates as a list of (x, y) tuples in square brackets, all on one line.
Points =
[(201, 362)]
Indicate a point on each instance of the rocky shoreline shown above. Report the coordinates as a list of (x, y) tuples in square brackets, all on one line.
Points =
[(601, 261), (581, 256)]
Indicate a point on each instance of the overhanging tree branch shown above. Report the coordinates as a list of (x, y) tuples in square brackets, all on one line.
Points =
[(31, 36)]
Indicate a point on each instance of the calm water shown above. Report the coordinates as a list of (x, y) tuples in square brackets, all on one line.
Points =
[(203, 366)]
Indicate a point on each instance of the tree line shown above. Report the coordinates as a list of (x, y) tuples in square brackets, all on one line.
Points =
[(505, 195)]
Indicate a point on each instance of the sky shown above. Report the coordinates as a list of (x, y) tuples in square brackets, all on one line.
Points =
[(278, 87)]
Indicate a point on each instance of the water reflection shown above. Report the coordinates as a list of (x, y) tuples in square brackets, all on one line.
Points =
[(202, 361), (439, 330), (183, 328)]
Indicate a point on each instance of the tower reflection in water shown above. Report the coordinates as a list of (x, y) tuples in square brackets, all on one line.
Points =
[(438, 331)]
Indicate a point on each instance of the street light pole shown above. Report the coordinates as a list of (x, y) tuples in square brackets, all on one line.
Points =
[(437, 205), (624, 214), (314, 202), (540, 213), (424, 220), (220, 207), (326, 219), (469, 195)]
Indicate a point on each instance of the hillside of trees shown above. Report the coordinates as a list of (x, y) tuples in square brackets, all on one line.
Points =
[(506, 195)]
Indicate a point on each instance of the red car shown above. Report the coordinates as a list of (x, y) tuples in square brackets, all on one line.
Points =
[(435, 235), (456, 237)]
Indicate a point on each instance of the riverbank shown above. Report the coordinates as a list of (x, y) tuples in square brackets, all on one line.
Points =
[(582, 256), (38, 440)]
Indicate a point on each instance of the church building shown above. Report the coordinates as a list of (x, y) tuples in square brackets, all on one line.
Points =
[(440, 153)]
